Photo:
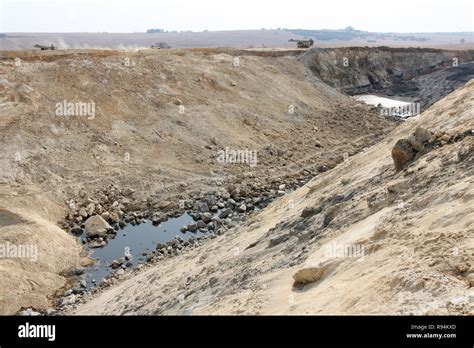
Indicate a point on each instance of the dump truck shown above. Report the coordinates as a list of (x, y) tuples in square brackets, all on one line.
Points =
[(303, 43), (44, 48)]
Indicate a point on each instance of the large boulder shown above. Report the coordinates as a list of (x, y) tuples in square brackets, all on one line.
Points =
[(311, 274), (206, 217), (403, 153), (225, 213), (167, 206), (97, 227), (201, 207)]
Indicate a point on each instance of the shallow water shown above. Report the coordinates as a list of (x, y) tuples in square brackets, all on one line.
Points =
[(137, 240)]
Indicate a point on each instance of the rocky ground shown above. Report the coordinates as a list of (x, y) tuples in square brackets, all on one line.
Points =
[(389, 231), (151, 151), (161, 119)]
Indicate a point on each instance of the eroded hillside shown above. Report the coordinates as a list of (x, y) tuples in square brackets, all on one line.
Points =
[(160, 119), (418, 75)]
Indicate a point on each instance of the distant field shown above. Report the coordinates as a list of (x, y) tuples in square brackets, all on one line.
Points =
[(238, 38)]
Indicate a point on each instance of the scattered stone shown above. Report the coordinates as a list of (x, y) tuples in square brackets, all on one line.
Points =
[(338, 198), (243, 208), (70, 300), (76, 229), (470, 279), (196, 216), (206, 217), (225, 213), (116, 264), (83, 212), (278, 240), (77, 271), (201, 207), (420, 138), (322, 168), (167, 206), (95, 244), (97, 227), (213, 281), (471, 297), (308, 275), (192, 227), (50, 311), (327, 220), (402, 154), (345, 182), (90, 209), (29, 312), (311, 211)]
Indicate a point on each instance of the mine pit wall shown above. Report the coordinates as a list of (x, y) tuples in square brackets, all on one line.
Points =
[(369, 70)]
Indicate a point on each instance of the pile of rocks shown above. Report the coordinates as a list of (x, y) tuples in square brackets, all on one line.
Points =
[(406, 150), (421, 142), (99, 218)]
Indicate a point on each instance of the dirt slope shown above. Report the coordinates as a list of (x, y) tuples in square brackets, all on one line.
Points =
[(415, 228), (160, 119)]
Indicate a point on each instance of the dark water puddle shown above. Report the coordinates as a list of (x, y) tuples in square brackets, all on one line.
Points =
[(135, 240)]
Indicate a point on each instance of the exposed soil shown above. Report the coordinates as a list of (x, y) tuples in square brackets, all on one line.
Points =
[(416, 75), (414, 228), (151, 151), (139, 139)]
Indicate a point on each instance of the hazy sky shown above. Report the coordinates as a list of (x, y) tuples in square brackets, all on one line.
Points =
[(197, 15)]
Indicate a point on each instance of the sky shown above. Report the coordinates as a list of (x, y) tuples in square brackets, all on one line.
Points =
[(139, 15)]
